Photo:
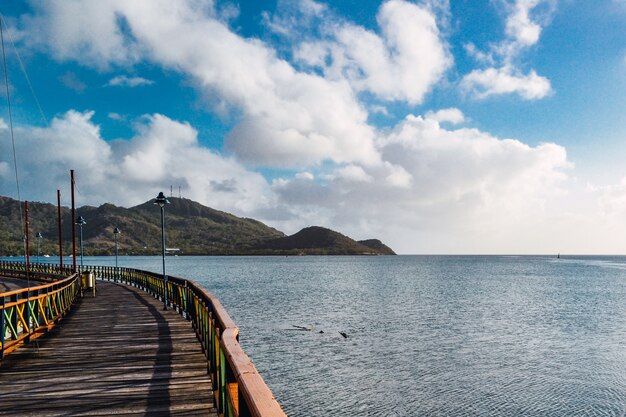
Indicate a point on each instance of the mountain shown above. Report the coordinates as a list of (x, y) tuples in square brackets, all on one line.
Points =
[(317, 240), (377, 246), (190, 227)]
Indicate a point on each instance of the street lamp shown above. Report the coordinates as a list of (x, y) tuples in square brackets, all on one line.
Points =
[(81, 222), (161, 201), (116, 232), (39, 236)]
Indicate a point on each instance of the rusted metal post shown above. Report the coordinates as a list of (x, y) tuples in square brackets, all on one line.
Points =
[(27, 237), (27, 258), (73, 224), (60, 230)]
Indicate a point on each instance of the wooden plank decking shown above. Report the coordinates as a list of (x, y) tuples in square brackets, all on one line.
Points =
[(116, 354), (9, 284)]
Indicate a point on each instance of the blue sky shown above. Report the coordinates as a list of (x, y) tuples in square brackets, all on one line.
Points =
[(439, 126)]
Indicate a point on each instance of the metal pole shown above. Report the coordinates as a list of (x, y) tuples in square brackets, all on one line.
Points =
[(27, 253), (163, 256), (60, 230), (116, 270), (39, 237), (73, 224), (81, 248), (116, 231), (27, 237)]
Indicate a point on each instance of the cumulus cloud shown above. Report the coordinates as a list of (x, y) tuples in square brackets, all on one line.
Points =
[(462, 182), (403, 62), (497, 81), (418, 186), (296, 116), (520, 27), (523, 30), (124, 81), (454, 184), (451, 115), (162, 152)]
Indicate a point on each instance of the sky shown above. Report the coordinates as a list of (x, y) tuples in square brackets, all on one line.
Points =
[(437, 126)]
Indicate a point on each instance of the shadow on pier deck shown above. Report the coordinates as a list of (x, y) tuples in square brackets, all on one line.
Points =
[(119, 353)]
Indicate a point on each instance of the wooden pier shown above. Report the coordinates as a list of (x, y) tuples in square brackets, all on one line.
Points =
[(116, 354), (120, 352)]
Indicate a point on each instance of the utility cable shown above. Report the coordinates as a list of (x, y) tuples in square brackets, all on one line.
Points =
[(17, 177), (23, 68)]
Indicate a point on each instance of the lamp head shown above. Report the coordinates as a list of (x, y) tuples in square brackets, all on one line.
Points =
[(161, 201), (80, 221), (39, 235), (117, 231)]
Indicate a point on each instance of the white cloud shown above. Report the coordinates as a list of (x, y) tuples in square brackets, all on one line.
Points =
[(492, 81), (420, 187), (611, 199), (124, 81), (298, 116), (294, 16), (163, 152), (451, 115), (480, 56), (520, 27), (458, 185), (98, 37), (353, 173), (504, 76), (402, 63)]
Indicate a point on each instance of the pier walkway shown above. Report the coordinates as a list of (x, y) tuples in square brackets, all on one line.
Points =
[(116, 354), (120, 353), (9, 284)]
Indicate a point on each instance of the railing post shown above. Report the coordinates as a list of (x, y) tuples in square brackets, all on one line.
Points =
[(221, 384), (3, 329), (15, 318), (28, 311)]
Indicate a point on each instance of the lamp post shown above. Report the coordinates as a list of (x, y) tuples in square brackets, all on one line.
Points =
[(116, 232), (81, 222), (161, 201), (39, 236)]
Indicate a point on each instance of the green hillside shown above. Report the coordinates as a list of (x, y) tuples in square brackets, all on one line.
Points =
[(190, 227), (317, 240)]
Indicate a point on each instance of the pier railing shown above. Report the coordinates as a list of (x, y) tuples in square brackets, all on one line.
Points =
[(28, 313), (238, 388)]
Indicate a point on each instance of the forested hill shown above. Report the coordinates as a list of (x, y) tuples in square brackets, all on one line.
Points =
[(191, 228)]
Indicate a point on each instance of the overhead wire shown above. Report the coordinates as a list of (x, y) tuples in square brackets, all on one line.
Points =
[(6, 84), (17, 177), (25, 73)]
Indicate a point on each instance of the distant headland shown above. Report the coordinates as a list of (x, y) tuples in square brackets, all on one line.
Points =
[(192, 229)]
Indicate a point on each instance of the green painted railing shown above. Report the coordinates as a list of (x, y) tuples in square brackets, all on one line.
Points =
[(28, 313), (238, 388)]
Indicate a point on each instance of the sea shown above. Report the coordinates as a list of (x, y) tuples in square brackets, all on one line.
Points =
[(425, 335)]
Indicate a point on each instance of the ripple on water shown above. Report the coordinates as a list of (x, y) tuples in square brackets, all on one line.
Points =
[(430, 335)]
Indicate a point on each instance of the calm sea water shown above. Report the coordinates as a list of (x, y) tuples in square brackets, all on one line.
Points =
[(427, 335)]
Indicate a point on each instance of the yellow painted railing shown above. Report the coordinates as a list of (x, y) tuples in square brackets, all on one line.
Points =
[(238, 388), (28, 313)]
